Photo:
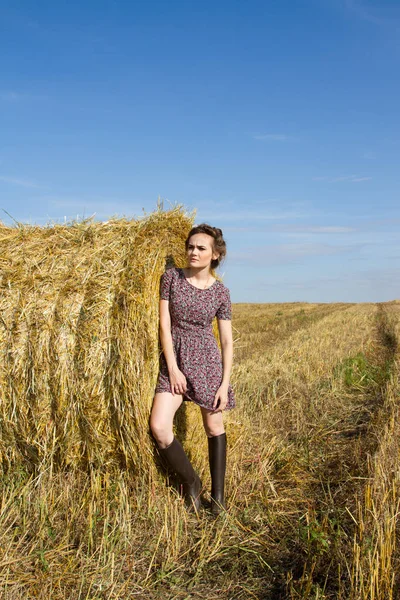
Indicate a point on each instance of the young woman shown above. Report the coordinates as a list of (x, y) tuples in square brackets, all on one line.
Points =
[(191, 365)]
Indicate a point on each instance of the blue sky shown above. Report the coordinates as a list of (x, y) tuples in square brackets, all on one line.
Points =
[(277, 120)]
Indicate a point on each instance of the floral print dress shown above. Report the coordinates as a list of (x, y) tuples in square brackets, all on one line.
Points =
[(196, 350)]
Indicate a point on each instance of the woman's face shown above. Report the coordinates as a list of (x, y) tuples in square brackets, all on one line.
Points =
[(200, 250)]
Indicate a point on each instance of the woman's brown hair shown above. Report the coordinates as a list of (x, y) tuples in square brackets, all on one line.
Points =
[(219, 244)]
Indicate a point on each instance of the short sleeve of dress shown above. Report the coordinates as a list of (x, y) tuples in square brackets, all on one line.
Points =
[(225, 309), (165, 284)]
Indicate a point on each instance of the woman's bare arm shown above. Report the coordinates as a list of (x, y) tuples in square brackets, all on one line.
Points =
[(176, 377), (225, 335), (166, 336)]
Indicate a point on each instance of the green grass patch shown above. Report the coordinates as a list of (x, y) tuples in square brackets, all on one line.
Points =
[(359, 373)]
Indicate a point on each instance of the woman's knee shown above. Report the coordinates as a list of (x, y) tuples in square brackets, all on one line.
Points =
[(158, 428), (213, 423), (214, 432), (213, 429), (162, 431)]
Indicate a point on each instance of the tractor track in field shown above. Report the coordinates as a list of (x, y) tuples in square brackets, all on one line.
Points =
[(335, 480), (280, 327)]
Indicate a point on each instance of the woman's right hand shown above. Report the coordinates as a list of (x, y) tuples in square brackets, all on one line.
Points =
[(178, 381)]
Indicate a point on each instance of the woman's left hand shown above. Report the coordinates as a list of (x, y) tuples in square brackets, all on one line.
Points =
[(221, 397)]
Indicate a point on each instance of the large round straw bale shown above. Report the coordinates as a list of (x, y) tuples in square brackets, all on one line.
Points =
[(79, 338)]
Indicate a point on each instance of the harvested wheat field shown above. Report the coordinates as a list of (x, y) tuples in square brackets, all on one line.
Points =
[(313, 461)]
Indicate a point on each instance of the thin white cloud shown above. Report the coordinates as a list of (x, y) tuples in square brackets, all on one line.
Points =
[(99, 207), (374, 14), (314, 229), (273, 137), (293, 229), (20, 182), (279, 254), (255, 216), (100, 203), (10, 95), (382, 277), (74, 208), (369, 155), (362, 285), (343, 178)]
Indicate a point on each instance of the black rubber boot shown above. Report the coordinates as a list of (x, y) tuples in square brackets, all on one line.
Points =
[(217, 459), (180, 464)]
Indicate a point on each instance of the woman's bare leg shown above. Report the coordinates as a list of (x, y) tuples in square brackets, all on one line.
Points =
[(162, 416), (213, 422), (165, 405)]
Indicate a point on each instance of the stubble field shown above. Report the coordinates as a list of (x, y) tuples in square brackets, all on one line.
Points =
[(312, 481)]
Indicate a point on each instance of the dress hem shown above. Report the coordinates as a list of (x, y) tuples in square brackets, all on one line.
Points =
[(207, 407), (187, 399)]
